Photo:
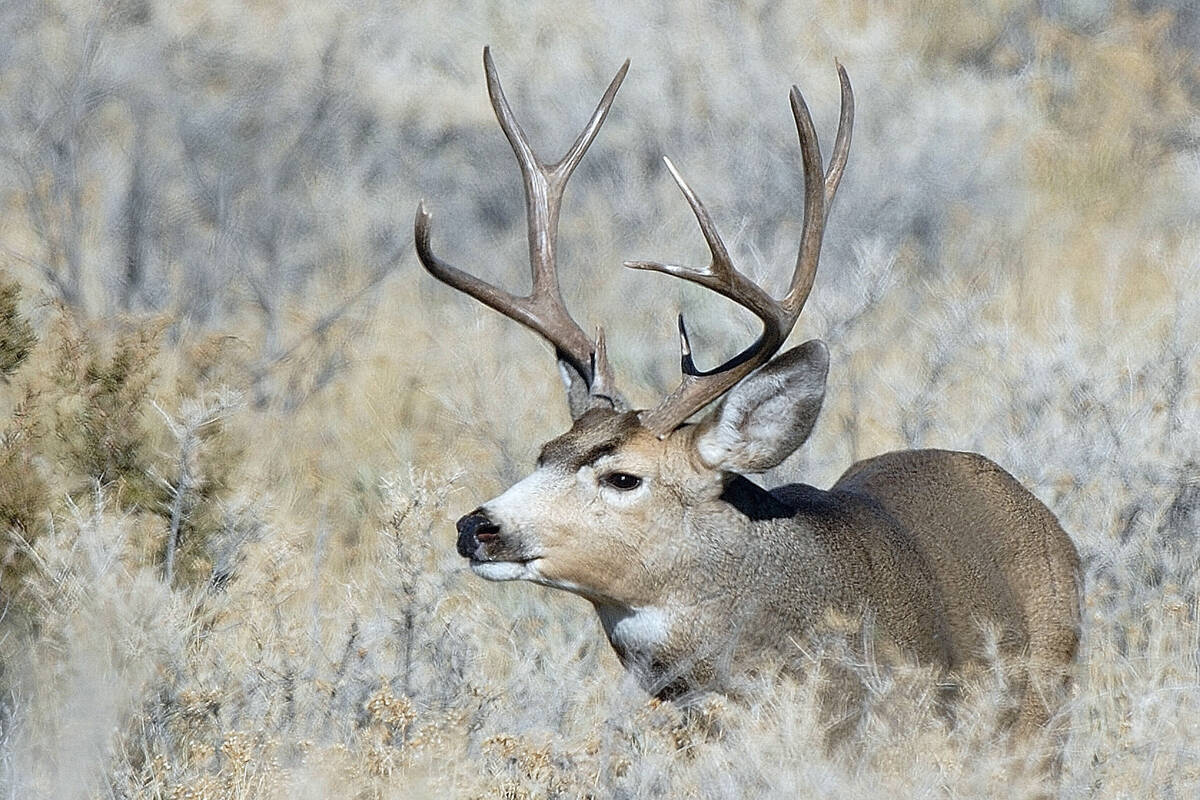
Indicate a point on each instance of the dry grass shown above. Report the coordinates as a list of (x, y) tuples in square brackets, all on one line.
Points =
[(257, 370)]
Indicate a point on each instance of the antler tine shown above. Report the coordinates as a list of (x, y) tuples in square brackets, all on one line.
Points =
[(841, 144), (814, 209), (603, 385), (698, 388), (573, 156), (543, 309), (720, 275)]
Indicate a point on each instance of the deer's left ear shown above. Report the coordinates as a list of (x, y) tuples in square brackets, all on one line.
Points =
[(768, 415)]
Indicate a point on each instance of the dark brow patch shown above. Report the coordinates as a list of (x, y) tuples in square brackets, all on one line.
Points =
[(595, 454), (594, 436), (571, 458)]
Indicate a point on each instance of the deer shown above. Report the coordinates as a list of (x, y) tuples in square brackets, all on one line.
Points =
[(696, 572)]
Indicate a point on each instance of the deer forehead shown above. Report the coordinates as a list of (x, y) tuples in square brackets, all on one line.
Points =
[(596, 435)]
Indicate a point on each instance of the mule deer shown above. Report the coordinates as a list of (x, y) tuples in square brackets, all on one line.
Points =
[(698, 573)]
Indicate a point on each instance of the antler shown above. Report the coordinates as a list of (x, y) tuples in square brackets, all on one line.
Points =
[(697, 388), (542, 309)]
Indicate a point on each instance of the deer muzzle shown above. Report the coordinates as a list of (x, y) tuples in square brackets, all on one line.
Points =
[(474, 530)]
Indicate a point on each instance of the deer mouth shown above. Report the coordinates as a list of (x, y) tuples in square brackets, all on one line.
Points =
[(493, 549), (528, 560)]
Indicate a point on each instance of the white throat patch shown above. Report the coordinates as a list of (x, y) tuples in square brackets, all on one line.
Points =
[(634, 631)]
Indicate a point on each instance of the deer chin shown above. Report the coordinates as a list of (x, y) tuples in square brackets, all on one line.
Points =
[(506, 570)]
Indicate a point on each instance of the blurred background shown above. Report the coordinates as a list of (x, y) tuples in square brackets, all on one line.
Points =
[(227, 381)]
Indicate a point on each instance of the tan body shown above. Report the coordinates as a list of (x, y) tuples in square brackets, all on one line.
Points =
[(699, 575)]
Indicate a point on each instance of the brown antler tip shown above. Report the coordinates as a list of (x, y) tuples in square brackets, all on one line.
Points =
[(693, 201), (600, 368), (495, 91), (650, 266), (843, 77), (797, 99), (603, 385), (701, 276)]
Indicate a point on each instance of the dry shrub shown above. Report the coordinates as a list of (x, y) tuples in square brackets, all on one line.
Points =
[(96, 411), (16, 334), (82, 413)]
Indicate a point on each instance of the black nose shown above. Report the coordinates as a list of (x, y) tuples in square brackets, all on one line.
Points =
[(474, 528)]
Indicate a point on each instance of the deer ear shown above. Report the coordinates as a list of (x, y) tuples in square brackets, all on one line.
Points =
[(768, 415)]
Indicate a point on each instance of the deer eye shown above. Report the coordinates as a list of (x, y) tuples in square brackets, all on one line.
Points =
[(622, 481)]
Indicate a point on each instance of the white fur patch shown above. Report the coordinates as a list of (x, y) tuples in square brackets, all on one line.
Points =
[(504, 570), (527, 500), (634, 631)]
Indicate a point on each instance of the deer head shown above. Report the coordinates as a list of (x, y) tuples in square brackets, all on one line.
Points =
[(620, 501)]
